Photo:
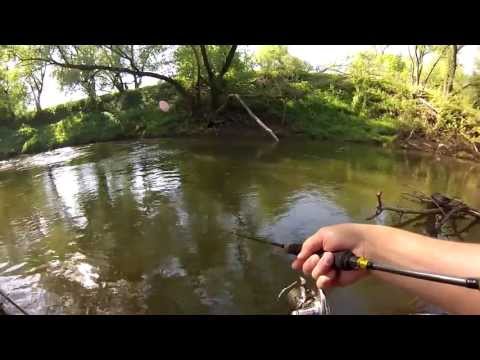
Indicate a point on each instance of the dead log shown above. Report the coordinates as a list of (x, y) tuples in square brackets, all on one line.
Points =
[(249, 111), (255, 117)]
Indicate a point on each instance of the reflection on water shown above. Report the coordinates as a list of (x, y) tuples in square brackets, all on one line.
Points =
[(146, 227)]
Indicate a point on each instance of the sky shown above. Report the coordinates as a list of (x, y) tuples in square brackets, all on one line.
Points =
[(321, 55)]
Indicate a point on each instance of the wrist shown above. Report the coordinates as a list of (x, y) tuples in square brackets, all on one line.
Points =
[(378, 240)]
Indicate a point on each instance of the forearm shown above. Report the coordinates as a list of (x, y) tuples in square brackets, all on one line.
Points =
[(417, 252)]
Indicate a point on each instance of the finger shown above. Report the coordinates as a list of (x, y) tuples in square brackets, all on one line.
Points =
[(297, 264), (310, 264), (313, 244), (324, 265), (327, 280)]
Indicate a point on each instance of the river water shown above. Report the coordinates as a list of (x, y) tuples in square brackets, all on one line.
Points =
[(146, 227)]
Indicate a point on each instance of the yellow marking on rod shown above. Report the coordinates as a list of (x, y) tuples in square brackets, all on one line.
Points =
[(362, 262)]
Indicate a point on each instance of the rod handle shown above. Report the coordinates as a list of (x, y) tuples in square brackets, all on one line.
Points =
[(344, 260)]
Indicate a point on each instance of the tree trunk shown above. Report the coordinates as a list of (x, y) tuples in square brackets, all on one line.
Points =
[(197, 89), (136, 82), (215, 81), (214, 97), (452, 67), (38, 106), (36, 97), (417, 60), (120, 88)]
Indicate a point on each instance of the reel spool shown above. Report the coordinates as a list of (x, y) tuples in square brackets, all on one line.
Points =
[(302, 300)]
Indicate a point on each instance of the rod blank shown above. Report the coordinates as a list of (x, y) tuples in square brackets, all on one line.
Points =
[(464, 282)]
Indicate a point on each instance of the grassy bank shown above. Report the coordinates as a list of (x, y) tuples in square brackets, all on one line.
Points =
[(320, 106), (119, 116)]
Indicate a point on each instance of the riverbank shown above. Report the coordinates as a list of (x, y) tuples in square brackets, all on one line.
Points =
[(319, 106), (87, 130)]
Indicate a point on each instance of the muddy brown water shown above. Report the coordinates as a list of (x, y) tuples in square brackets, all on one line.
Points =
[(145, 227)]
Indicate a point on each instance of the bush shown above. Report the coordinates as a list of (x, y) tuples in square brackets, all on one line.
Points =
[(73, 130), (10, 142), (131, 99), (159, 124)]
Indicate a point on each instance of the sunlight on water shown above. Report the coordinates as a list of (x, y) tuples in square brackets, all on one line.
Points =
[(66, 187), (48, 158), (76, 270)]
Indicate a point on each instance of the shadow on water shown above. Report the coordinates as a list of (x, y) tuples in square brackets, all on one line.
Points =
[(146, 227)]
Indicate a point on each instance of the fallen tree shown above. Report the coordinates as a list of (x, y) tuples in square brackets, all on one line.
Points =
[(438, 210), (249, 111)]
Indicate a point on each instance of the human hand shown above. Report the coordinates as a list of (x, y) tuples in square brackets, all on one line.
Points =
[(353, 237)]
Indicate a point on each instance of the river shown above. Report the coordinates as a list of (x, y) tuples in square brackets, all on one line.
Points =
[(145, 227)]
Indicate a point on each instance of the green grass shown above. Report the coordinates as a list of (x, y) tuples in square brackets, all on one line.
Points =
[(327, 114), (84, 128), (321, 106), (132, 114)]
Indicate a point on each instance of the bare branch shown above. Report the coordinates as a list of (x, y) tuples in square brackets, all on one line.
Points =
[(433, 67), (381, 208), (179, 87)]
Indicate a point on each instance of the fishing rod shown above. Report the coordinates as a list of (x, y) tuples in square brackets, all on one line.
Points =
[(13, 303), (346, 260)]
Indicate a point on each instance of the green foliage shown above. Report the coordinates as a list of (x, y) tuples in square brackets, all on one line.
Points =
[(374, 100), (73, 130), (130, 99), (12, 90), (239, 76), (11, 142), (275, 60), (81, 126)]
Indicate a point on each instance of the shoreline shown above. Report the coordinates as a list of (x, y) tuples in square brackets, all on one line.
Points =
[(437, 149)]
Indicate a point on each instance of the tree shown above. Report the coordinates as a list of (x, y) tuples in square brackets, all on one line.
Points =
[(12, 90), (155, 61), (214, 59), (139, 57), (452, 55), (111, 80), (33, 73), (417, 62), (212, 69), (276, 61), (35, 80), (474, 84), (189, 69), (278, 68), (73, 79), (58, 59), (441, 51)]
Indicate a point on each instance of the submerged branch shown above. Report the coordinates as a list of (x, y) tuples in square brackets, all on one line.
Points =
[(440, 209), (381, 208)]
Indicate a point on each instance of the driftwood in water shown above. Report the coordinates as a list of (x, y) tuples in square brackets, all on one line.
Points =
[(438, 210), (249, 111)]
